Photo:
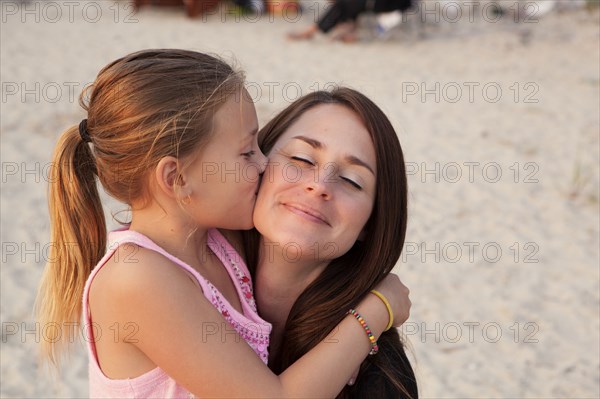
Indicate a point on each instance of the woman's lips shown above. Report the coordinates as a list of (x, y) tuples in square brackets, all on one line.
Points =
[(306, 212)]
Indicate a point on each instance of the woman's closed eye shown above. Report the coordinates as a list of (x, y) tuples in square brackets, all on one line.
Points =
[(346, 180), (351, 182), (303, 160)]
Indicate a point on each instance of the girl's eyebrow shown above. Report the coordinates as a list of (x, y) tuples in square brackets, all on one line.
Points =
[(351, 159), (251, 135)]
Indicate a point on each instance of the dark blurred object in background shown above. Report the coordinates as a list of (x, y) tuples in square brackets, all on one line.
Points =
[(193, 8)]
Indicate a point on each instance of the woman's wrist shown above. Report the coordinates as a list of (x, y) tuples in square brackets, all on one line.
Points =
[(387, 306), (365, 326), (375, 314)]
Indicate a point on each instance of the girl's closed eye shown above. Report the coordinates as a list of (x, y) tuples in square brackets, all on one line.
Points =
[(248, 154)]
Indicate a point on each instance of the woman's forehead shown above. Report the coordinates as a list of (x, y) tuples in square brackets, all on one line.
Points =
[(331, 127)]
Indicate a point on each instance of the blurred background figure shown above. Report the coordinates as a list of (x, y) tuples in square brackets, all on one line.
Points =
[(342, 16), (253, 6), (195, 8)]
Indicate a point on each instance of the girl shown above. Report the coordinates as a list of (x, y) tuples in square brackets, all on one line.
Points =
[(166, 306), (346, 184)]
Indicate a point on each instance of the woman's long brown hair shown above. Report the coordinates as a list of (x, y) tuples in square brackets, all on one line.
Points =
[(141, 108), (347, 279)]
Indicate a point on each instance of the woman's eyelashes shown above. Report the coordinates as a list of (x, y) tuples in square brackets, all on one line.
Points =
[(351, 182), (309, 162), (303, 160)]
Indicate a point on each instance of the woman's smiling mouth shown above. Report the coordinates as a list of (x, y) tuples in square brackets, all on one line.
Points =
[(306, 212)]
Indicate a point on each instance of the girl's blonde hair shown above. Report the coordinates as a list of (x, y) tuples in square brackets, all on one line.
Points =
[(141, 108)]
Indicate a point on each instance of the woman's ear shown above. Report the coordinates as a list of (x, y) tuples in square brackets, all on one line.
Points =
[(168, 178)]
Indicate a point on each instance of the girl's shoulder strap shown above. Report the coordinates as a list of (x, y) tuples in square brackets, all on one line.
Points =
[(235, 265), (226, 252)]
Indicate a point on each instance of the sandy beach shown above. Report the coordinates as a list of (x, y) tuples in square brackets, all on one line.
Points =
[(500, 126)]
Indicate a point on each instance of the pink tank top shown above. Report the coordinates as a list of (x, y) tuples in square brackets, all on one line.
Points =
[(156, 383)]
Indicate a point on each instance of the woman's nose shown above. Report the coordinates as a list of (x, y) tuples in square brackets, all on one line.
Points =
[(318, 187)]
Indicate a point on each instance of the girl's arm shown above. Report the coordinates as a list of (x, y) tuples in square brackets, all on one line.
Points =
[(183, 334)]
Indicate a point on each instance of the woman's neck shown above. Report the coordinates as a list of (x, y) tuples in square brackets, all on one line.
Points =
[(279, 282)]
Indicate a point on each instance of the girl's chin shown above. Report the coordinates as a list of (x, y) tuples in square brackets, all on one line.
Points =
[(249, 224)]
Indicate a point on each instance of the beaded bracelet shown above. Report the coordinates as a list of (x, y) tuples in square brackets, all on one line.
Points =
[(363, 323), (387, 306)]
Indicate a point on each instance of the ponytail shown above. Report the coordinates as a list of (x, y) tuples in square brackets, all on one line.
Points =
[(78, 240)]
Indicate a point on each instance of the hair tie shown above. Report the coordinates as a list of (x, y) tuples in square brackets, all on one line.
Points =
[(387, 306), (83, 132)]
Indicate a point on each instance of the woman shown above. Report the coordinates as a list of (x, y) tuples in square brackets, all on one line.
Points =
[(336, 175)]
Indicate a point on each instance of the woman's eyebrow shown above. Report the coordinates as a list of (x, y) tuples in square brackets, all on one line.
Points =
[(312, 142), (351, 159)]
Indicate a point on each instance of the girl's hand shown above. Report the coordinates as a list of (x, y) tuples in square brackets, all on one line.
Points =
[(397, 295)]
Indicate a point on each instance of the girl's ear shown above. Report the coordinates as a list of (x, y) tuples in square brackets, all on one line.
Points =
[(168, 178)]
